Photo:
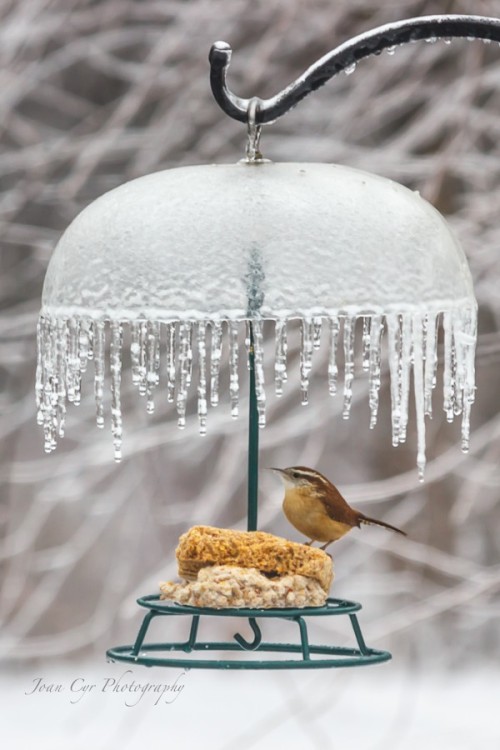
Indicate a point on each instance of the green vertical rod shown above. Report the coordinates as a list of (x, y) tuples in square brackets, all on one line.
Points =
[(253, 441)]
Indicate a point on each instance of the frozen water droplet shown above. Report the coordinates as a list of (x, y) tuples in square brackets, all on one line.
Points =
[(281, 348), (306, 352), (332, 356), (115, 356), (215, 358), (99, 350), (349, 330), (431, 40), (447, 39), (391, 50), (202, 381), (234, 385), (349, 70)]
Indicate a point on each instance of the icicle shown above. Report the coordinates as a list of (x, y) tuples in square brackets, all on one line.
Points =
[(332, 356), (317, 322), (465, 341), (404, 374), (258, 348), (306, 352), (115, 356), (141, 372), (171, 343), (215, 358), (99, 350), (40, 338), (456, 385), (234, 386), (90, 349), (448, 367), (60, 374), (430, 349), (394, 353), (185, 364), (135, 352), (202, 381), (366, 343), (376, 331), (84, 344), (418, 384), (73, 374), (49, 394), (281, 348), (152, 362), (349, 330)]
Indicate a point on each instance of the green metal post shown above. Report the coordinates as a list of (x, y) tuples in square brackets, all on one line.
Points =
[(253, 443)]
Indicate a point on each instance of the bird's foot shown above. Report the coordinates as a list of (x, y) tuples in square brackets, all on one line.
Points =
[(308, 544), (324, 546)]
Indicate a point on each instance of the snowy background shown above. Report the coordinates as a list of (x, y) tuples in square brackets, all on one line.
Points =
[(96, 93)]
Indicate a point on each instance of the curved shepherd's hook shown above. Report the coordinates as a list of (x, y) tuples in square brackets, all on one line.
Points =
[(341, 58)]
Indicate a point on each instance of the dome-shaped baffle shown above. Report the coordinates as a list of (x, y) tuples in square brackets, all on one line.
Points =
[(316, 239), (177, 253)]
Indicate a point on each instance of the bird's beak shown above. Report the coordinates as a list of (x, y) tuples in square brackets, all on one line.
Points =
[(280, 472)]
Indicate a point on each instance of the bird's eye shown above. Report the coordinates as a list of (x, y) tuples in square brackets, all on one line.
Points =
[(295, 474)]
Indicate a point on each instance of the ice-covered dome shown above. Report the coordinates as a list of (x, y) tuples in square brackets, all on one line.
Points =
[(180, 254)]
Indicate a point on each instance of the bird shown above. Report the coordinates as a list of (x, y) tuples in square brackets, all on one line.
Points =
[(317, 509)]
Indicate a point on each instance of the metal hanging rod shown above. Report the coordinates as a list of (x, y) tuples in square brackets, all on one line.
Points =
[(341, 58)]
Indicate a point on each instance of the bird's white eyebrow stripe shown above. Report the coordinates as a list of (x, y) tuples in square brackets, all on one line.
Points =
[(310, 474)]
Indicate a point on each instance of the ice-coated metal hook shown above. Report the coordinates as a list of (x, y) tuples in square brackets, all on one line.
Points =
[(341, 58), (253, 131)]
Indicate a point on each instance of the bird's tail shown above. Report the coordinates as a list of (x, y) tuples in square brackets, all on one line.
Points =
[(374, 522)]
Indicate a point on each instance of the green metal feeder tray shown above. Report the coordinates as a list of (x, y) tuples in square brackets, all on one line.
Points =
[(307, 655)]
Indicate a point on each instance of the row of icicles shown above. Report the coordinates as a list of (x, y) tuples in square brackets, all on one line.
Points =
[(168, 349)]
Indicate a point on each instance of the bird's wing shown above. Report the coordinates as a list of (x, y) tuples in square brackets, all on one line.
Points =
[(338, 509)]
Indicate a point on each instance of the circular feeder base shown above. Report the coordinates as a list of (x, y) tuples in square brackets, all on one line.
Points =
[(272, 655)]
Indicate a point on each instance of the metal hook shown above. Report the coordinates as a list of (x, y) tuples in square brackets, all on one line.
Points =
[(341, 58), (247, 645), (253, 131)]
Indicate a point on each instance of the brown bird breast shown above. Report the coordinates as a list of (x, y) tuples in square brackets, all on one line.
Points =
[(316, 519)]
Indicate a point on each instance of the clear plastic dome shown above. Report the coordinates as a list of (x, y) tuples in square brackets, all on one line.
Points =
[(316, 239), (183, 254)]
